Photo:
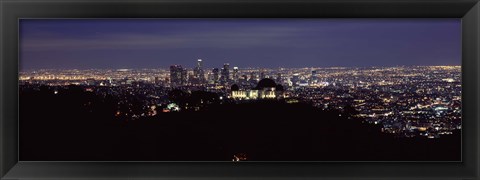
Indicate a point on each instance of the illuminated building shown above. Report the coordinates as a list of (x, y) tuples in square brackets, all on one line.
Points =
[(198, 72), (239, 94), (215, 73), (225, 78), (313, 77), (252, 94), (178, 76), (295, 79), (266, 89), (235, 74)]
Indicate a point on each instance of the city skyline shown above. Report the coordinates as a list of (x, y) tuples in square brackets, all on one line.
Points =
[(240, 89), (137, 44), (426, 96)]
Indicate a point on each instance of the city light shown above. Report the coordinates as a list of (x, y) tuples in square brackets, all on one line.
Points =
[(402, 99)]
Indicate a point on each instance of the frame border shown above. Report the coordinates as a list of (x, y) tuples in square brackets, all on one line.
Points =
[(12, 10)]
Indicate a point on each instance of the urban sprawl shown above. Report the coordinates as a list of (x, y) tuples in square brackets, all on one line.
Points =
[(407, 101)]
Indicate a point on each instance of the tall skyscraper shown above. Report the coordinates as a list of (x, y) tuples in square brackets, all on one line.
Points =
[(313, 77), (198, 72), (178, 76), (295, 79), (199, 63), (215, 73), (235, 74), (225, 78), (184, 77)]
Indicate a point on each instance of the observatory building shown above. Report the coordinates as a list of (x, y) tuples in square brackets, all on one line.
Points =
[(265, 89)]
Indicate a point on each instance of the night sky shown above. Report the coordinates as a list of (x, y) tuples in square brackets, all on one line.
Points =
[(269, 43)]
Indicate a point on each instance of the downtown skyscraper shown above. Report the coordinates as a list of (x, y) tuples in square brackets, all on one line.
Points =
[(198, 72), (225, 78), (178, 76)]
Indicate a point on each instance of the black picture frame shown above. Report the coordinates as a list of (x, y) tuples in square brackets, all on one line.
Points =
[(12, 10)]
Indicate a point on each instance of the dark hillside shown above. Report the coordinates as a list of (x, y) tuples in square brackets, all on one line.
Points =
[(77, 125)]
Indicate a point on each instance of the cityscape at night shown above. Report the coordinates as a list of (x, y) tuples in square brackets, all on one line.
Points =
[(219, 103), (407, 101)]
